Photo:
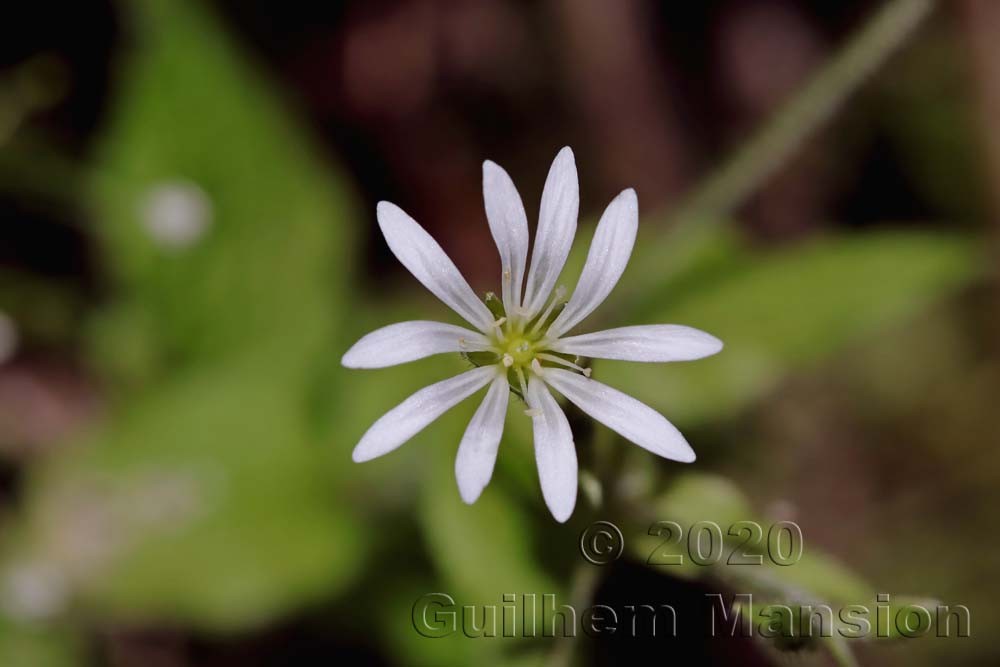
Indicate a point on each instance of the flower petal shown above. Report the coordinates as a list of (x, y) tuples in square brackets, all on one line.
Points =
[(408, 341), (412, 415), (477, 452), (653, 342), (630, 418), (555, 453), (418, 252), (509, 226), (606, 260), (556, 229)]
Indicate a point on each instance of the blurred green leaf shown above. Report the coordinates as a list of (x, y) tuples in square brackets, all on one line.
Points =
[(783, 310), (840, 651), (36, 645), (694, 498), (202, 503), (481, 550), (192, 119), (905, 617), (453, 650), (205, 496)]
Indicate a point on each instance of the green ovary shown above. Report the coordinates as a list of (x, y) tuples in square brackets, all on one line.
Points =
[(520, 349)]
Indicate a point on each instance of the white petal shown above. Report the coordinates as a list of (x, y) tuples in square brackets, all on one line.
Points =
[(606, 260), (411, 416), (556, 229), (478, 451), (653, 342), (555, 453), (630, 418), (425, 259), (408, 341), (509, 226)]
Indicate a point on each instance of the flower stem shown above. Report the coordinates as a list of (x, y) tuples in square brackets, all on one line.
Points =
[(582, 586)]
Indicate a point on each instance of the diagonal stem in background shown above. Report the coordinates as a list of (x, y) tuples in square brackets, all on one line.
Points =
[(777, 140)]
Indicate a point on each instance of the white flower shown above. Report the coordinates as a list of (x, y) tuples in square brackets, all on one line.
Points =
[(519, 343)]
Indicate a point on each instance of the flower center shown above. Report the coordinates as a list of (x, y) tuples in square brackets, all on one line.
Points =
[(518, 351), (520, 344)]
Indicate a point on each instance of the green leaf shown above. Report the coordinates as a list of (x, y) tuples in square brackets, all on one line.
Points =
[(190, 112), (204, 503), (451, 650), (788, 309), (37, 645), (480, 550), (206, 496), (694, 498)]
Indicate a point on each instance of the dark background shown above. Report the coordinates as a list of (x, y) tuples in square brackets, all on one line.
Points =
[(853, 286)]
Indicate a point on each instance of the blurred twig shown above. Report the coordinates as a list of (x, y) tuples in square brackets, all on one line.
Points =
[(818, 101), (708, 206), (35, 85)]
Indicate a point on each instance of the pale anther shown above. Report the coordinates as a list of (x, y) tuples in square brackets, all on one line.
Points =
[(496, 326), (563, 362), (521, 381), (560, 293)]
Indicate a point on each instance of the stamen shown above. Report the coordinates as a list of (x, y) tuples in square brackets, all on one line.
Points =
[(533, 412), (497, 325), (537, 367), (467, 346), (522, 382), (508, 360), (563, 362), (505, 289), (559, 295), (520, 318)]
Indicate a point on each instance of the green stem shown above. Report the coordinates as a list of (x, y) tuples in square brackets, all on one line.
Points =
[(585, 579), (586, 576), (778, 139), (810, 109)]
